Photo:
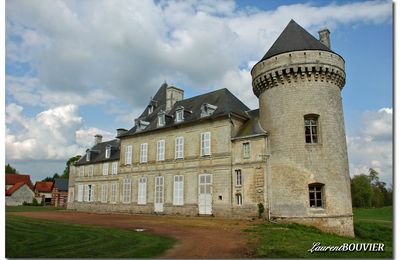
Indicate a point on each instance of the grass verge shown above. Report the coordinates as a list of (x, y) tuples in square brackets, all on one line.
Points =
[(33, 238), (293, 240), (31, 208)]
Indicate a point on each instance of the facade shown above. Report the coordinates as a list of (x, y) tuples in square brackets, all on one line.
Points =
[(43, 190), (212, 155), (18, 189), (59, 194)]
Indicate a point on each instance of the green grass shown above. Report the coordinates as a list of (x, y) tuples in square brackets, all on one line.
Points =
[(31, 208), (32, 238), (293, 240)]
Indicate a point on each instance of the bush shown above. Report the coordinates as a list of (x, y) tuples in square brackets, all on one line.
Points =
[(35, 202)]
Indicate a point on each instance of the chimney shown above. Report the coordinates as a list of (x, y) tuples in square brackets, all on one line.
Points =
[(121, 131), (98, 139), (324, 37), (173, 95)]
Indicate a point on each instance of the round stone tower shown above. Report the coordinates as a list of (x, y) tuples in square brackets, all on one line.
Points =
[(298, 83)]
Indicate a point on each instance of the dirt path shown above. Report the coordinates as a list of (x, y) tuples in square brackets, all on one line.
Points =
[(197, 237)]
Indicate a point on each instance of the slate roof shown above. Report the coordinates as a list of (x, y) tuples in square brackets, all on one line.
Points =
[(12, 179), (14, 188), (252, 127), (44, 186), (294, 38), (61, 184), (98, 153), (225, 101)]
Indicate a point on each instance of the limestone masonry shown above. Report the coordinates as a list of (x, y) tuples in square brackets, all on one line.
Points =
[(212, 155)]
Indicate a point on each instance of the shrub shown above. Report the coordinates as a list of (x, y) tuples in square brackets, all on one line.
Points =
[(260, 210)]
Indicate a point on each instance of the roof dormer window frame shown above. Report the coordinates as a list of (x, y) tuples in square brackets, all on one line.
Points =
[(141, 125), (161, 119), (88, 155), (207, 109), (108, 152), (179, 114)]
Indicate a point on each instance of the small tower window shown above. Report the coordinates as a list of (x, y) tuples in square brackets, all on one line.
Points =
[(179, 114), (108, 151), (315, 191), (311, 128), (238, 177), (239, 199), (161, 119)]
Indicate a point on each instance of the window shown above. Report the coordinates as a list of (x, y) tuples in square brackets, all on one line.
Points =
[(161, 119), (104, 193), (205, 147), (179, 144), (142, 191), (311, 128), (150, 110), (108, 151), (141, 125), (114, 192), (89, 193), (90, 173), (238, 174), (105, 168), (128, 154), (207, 109), (315, 192), (143, 153), (81, 170), (87, 155), (114, 168), (178, 190), (239, 199), (179, 114), (80, 192), (160, 150), (246, 150), (126, 191)]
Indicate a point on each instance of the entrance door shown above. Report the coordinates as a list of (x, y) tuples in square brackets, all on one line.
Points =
[(159, 194), (205, 194)]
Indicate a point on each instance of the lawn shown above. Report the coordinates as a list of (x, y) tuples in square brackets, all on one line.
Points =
[(31, 208), (293, 241), (33, 238)]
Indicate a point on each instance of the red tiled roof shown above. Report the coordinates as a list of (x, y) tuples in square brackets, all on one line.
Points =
[(44, 186), (11, 190), (12, 179)]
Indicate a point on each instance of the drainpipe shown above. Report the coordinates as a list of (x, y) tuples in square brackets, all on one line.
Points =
[(268, 180)]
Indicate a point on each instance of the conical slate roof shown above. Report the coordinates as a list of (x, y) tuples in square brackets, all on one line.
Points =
[(294, 38)]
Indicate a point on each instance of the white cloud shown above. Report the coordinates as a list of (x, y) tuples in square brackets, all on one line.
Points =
[(56, 134), (127, 48), (372, 146)]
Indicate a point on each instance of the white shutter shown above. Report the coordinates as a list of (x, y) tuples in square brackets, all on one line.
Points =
[(178, 190), (142, 191), (128, 154), (105, 168), (205, 144), (80, 193), (179, 143), (86, 191), (114, 168)]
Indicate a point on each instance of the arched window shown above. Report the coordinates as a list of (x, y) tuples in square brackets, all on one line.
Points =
[(311, 128), (315, 191)]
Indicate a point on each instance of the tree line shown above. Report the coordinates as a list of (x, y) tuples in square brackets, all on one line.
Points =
[(368, 191), (64, 175)]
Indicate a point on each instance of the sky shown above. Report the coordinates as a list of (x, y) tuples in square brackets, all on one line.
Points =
[(79, 68)]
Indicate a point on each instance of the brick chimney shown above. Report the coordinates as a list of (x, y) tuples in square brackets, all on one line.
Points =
[(98, 139), (324, 37), (173, 95)]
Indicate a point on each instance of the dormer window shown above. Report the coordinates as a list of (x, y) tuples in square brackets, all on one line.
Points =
[(150, 110), (87, 155), (140, 124), (179, 114), (207, 109), (161, 119), (108, 151)]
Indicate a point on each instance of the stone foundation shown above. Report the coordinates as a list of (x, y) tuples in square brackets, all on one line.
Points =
[(340, 225)]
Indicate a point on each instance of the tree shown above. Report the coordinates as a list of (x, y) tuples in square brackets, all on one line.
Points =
[(55, 176), (10, 169), (71, 160), (361, 191)]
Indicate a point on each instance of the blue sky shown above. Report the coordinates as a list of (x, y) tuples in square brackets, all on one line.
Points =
[(75, 69)]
